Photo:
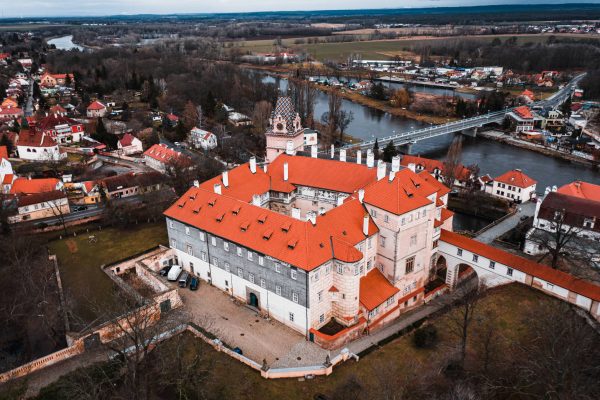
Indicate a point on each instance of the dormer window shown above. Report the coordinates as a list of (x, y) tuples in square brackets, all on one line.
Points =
[(292, 244), (220, 217), (193, 196), (236, 210), (262, 218), (212, 202), (244, 226), (267, 235), (181, 204), (286, 227), (196, 210)]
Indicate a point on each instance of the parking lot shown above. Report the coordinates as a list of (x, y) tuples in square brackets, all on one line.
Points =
[(240, 326)]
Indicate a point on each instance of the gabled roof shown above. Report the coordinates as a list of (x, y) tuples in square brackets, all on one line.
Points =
[(37, 198), (517, 178), (57, 109), (34, 138), (30, 186), (523, 112), (583, 190), (529, 267), (441, 188), (299, 243), (52, 120), (375, 289), (407, 192), (131, 179), (127, 140), (165, 155), (96, 105), (461, 172)]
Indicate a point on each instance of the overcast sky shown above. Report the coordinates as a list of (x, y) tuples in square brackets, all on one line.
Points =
[(53, 8)]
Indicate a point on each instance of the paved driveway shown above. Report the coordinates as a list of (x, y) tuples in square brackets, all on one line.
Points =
[(524, 210), (240, 326)]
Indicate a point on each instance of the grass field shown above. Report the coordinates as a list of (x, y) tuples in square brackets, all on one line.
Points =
[(79, 263), (386, 49)]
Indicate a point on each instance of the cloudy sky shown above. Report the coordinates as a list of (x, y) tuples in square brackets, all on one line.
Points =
[(48, 8)]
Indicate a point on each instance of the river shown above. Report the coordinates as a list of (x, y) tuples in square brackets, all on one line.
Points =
[(65, 43), (492, 157)]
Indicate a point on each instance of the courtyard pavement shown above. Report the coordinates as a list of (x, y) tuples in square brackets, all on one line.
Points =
[(523, 210)]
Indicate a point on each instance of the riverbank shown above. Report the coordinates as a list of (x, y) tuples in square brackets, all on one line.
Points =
[(383, 106), (501, 137)]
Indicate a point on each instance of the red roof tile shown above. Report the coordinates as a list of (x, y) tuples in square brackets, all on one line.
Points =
[(375, 289), (96, 105), (532, 268), (165, 155), (37, 198), (430, 165), (523, 112), (8, 178), (127, 139), (29, 186), (582, 190), (516, 178), (34, 138), (3, 152)]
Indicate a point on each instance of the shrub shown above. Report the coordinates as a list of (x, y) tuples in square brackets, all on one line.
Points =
[(425, 337)]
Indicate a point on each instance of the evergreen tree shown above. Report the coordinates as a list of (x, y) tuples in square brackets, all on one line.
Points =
[(389, 152), (209, 104), (376, 149), (5, 141)]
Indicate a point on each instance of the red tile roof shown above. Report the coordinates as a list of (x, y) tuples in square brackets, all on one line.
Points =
[(127, 139), (165, 155), (430, 179), (524, 265), (299, 243), (523, 112), (54, 119), (430, 165), (29, 186), (96, 105), (582, 190), (528, 93), (8, 178), (3, 152), (34, 138), (37, 198), (242, 183), (375, 289), (516, 178)]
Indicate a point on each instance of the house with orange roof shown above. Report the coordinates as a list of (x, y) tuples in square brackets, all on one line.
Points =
[(34, 145), (6, 171), (10, 113), (203, 139), (52, 80), (462, 174), (62, 129), (514, 186), (9, 102), (160, 157), (96, 110), (528, 96), (521, 119), (129, 144), (27, 186), (322, 239)]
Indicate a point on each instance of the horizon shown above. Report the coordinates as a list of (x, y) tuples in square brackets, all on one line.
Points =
[(87, 8)]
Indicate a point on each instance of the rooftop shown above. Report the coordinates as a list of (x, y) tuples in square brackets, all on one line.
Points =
[(582, 190), (517, 178)]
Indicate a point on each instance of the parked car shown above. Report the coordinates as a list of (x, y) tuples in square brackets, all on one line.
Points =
[(184, 279), (239, 351), (194, 283), (80, 208), (165, 270), (174, 273)]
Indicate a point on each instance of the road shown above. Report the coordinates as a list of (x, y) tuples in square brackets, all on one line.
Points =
[(29, 103), (489, 235)]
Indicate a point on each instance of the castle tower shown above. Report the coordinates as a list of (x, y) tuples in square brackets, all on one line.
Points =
[(285, 133)]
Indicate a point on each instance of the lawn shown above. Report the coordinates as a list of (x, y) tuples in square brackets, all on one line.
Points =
[(79, 260)]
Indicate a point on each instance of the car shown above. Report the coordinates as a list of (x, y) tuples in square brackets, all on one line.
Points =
[(165, 270), (524, 217), (239, 351), (79, 208), (194, 283), (177, 144)]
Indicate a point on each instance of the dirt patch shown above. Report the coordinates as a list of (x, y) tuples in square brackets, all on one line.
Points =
[(72, 246)]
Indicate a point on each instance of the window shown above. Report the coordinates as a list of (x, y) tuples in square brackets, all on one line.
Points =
[(291, 316), (190, 251), (413, 240), (278, 268), (251, 278), (370, 243), (435, 244), (213, 241), (322, 318), (202, 236), (294, 297), (327, 269), (369, 265), (215, 261), (386, 218), (459, 252), (320, 295), (410, 264), (390, 301), (293, 274), (278, 290), (227, 267), (187, 230), (192, 267), (250, 256), (170, 224), (475, 257), (509, 271), (382, 241), (263, 283), (340, 269), (356, 269), (239, 251), (240, 273), (173, 243), (225, 245), (492, 265), (373, 213), (316, 276), (203, 256)]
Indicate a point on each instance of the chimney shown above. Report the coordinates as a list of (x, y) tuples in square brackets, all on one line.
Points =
[(332, 151), (256, 200), (381, 167), (289, 148), (285, 171), (296, 213), (312, 217), (225, 178), (359, 157), (370, 158), (343, 155), (412, 167), (340, 201), (253, 165), (392, 175), (321, 210), (396, 163), (361, 195), (217, 188), (196, 183), (313, 151), (265, 168), (366, 224)]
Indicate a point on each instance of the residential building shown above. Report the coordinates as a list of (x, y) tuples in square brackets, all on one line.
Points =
[(285, 133), (129, 144), (239, 119), (6, 171), (515, 186), (96, 110), (40, 205), (311, 137), (311, 240), (28, 186), (62, 129), (160, 157), (521, 119), (132, 184), (462, 175), (33, 145), (203, 139), (10, 113), (51, 80)]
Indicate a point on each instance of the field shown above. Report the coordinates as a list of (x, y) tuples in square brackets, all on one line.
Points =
[(386, 49), (86, 285)]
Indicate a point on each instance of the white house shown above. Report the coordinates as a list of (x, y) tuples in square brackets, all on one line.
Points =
[(96, 110), (6, 171), (310, 137), (40, 205), (159, 157), (521, 119), (34, 145), (204, 139), (514, 186), (129, 144)]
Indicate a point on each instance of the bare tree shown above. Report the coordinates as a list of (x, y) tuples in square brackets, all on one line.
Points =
[(556, 238), (261, 115), (331, 119), (452, 162), (346, 118)]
